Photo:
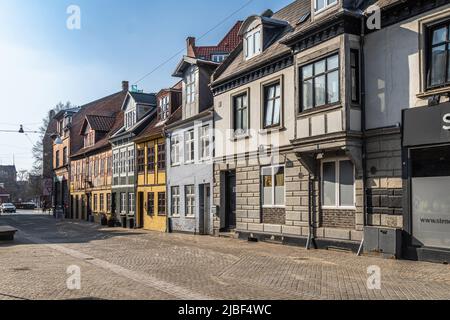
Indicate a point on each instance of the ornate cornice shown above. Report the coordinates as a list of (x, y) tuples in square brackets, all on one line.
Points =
[(255, 74)]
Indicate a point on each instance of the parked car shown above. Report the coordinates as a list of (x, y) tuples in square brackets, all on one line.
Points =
[(25, 205), (8, 208)]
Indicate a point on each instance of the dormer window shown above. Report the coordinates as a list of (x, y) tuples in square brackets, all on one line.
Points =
[(164, 108), (252, 43), (219, 58), (130, 119), (89, 139), (190, 85), (320, 5)]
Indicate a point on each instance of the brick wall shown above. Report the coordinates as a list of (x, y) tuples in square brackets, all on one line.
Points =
[(338, 219), (274, 216)]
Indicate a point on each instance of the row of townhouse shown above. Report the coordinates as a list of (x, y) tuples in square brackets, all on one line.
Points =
[(324, 124)]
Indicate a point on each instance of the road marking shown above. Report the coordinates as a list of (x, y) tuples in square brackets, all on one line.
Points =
[(142, 278)]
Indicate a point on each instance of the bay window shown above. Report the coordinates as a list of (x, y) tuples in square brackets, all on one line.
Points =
[(320, 83), (273, 186), (338, 184), (438, 55)]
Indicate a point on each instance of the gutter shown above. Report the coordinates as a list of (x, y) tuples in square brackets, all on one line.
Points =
[(363, 123)]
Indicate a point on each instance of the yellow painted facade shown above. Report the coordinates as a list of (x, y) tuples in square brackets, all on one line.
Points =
[(151, 188)]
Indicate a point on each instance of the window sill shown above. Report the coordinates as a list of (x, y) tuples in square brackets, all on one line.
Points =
[(175, 216), (274, 207), (272, 130), (240, 136), (190, 217), (320, 109), (433, 92), (339, 208)]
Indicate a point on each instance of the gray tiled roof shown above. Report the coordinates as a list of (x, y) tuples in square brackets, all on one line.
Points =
[(144, 98)]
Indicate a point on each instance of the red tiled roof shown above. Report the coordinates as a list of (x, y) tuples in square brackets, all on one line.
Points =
[(228, 44), (109, 106), (100, 123)]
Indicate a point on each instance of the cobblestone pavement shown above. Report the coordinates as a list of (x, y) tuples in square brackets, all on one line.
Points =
[(133, 264)]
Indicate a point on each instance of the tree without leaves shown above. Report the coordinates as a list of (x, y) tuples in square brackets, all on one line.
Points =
[(38, 148)]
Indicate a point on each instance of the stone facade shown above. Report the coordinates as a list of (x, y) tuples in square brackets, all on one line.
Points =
[(384, 184)]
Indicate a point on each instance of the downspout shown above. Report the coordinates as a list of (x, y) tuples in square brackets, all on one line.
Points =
[(363, 124)]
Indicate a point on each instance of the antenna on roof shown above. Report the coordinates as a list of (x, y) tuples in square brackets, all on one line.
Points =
[(268, 13)]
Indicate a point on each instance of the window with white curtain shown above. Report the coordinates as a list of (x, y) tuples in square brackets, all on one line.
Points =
[(338, 184)]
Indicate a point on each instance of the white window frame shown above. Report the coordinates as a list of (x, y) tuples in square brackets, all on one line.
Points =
[(251, 36), (190, 201), (164, 108), (175, 201), (130, 160), (123, 206), (219, 58), (205, 142), (273, 186), (189, 146), (190, 85), (337, 162), (175, 148), (326, 7), (131, 203)]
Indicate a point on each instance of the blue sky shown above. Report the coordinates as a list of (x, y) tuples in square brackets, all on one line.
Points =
[(42, 62)]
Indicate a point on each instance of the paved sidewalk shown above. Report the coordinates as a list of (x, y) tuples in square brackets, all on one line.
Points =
[(130, 264)]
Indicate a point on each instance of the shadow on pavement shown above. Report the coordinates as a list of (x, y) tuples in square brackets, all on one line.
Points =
[(49, 229)]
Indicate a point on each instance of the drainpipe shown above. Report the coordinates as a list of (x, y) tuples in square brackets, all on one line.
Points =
[(311, 238), (363, 124)]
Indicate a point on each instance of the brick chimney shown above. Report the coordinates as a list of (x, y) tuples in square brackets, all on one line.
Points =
[(51, 114), (125, 86), (190, 42)]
